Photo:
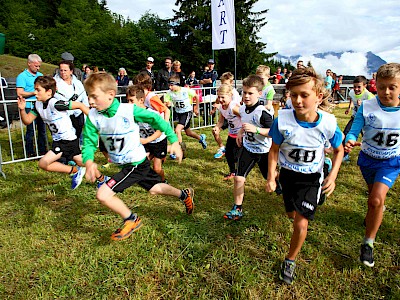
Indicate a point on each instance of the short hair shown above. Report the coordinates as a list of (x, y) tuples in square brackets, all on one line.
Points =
[(168, 57), (34, 58), (175, 78), (263, 69), (102, 80), (225, 89), (390, 70), (253, 81), (176, 62), (67, 62), (135, 91), (143, 80), (227, 76), (47, 82), (305, 75), (360, 79)]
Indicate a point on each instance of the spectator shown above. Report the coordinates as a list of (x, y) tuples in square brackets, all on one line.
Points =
[(148, 71), (87, 72), (209, 78), (122, 78), (288, 75), (69, 57), (300, 64), (176, 67), (372, 84), (328, 80), (26, 89), (164, 74), (192, 80)]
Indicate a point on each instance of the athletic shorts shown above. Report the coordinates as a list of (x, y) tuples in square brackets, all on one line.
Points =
[(247, 161), (379, 170), (184, 119), (301, 192), (69, 149), (102, 147), (141, 174), (158, 150)]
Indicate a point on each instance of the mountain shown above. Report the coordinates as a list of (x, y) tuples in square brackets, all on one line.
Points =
[(372, 65)]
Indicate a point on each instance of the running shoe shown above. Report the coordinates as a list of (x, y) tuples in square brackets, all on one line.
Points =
[(220, 153), (202, 140), (235, 214), (328, 162), (229, 176), (346, 158), (172, 156), (188, 202), (100, 183), (367, 255), (77, 177), (287, 271), (129, 227)]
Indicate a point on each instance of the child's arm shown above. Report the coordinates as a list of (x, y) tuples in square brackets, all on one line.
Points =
[(26, 118), (239, 137), (196, 106), (151, 138), (89, 147), (218, 126), (349, 108), (81, 106), (329, 184), (356, 127), (235, 110), (272, 163)]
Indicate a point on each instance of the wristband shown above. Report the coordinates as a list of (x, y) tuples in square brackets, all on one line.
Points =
[(257, 130)]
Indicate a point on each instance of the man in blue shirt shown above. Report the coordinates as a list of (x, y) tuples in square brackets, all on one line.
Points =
[(209, 79), (26, 89)]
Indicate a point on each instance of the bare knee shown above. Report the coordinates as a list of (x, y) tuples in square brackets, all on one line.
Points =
[(375, 202), (43, 164)]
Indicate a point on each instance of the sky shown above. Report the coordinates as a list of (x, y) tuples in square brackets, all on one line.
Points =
[(312, 26)]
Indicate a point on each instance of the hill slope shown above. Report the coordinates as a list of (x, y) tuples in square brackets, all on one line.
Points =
[(11, 66)]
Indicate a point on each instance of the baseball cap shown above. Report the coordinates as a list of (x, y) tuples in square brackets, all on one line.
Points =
[(67, 56), (150, 59), (211, 61)]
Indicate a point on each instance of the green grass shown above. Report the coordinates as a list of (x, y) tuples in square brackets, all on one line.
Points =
[(55, 243), (11, 66)]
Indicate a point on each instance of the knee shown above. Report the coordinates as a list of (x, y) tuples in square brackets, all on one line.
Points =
[(43, 164), (375, 202), (155, 190)]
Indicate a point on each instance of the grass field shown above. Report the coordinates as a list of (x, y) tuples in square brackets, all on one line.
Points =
[(55, 243), (11, 66)]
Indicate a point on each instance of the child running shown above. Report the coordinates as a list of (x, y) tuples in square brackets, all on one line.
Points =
[(54, 113), (268, 90), (379, 158), (357, 95), (154, 141), (299, 137), (253, 138), (182, 99), (116, 123), (229, 112)]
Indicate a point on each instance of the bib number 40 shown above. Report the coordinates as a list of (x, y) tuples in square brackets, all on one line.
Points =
[(302, 155)]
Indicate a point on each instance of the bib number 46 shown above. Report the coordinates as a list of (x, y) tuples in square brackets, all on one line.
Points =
[(389, 140)]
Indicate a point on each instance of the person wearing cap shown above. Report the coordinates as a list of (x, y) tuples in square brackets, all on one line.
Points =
[(209, 79), (164, 74), (148, 71), (66, 56)]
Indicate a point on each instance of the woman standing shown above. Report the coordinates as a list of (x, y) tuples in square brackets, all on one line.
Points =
[(176, 67), (122, 78)]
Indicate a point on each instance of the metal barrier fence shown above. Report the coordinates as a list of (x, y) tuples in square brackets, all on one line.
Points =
[(12, 134)]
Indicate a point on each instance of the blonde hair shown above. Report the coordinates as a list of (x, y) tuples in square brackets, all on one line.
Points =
[(253, 81), (225, 89), (305, 75), (263, 69), (390, 70), (104, 81), (227, 76)]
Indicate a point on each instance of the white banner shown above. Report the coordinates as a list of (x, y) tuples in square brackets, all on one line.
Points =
[(223, 24)]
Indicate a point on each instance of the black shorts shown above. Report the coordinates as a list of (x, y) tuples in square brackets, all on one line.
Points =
[(184, 119), (158, 150), (102, 147), (301, 192), (141, 174), (247, 161), (69, 149)]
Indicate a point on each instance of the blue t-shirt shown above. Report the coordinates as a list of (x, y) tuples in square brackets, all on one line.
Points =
[(26, 80)]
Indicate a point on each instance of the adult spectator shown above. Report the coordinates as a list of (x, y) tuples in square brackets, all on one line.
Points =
[(176, 67), (300, 64), (372, 84), (26, 88), (70, 88), (148, 71), (164, 74), (122, 78), (209, 78), (69, 57), (192, 80), (87, 72), (328, 80)]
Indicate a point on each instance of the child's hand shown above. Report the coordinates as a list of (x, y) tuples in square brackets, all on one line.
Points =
[(196, 111), (216, 130), (328, 185), (347, 111), (177, 150), (21, 103), (91, 169), (249, 127), (350, 145), (239, 138), (270, 186)]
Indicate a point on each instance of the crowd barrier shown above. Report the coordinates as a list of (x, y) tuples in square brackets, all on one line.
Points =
[(12, 130)]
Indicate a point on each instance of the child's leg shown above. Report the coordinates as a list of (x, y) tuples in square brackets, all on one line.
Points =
[(107, 197), (49, 163), (186, 195), (376, 200), (217, 138), (230, 154), (300, 225), (157, 166), (192, 134), (238, 189), (79, 162), (178, 131)]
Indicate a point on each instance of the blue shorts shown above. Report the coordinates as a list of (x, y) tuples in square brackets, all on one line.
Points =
[(379, 170)]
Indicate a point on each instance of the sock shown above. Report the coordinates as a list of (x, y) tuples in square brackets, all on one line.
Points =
[(74, 169), (131, 217), (289, 260), (183, 195), (238, 207), (100, 178), (369, 241)]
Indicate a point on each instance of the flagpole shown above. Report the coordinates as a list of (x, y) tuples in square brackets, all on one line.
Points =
[(235, 66)]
